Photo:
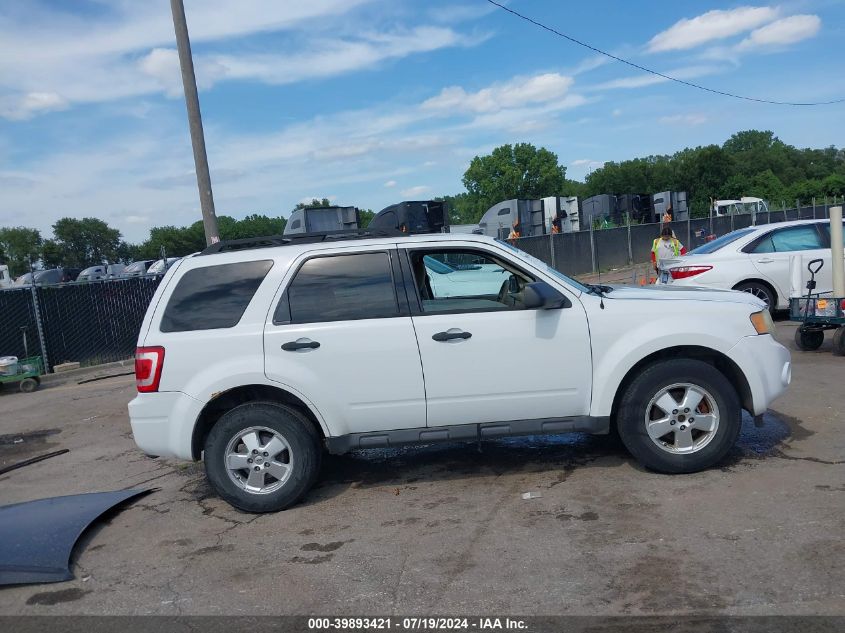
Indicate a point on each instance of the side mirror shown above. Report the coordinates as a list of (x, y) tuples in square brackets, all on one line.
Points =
[(541, 295)]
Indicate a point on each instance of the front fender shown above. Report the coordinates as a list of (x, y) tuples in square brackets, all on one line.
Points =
[(615, 358)]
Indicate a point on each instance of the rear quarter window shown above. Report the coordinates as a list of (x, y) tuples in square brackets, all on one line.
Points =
[(213, 297)]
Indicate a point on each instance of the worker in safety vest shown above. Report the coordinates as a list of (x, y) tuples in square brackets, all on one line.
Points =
[(666, 246), (556, 226)]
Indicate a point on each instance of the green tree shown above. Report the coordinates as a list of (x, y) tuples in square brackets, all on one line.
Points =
[(514, 171), (366, 216), (314, 204), (20, 246), (85, 242)]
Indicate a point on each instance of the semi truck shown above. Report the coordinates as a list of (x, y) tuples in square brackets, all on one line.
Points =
[(323, 219)]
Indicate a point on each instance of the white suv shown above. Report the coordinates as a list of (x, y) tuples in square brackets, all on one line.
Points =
[(257, 355)]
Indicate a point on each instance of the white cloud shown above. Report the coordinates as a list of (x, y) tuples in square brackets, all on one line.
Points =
[(616, 112), (127, 50), (150, 174), (640, 81), (789, 30), (415, 192), (713, 25), (520, 91), (24, 106), (683, 119), (390, 183)]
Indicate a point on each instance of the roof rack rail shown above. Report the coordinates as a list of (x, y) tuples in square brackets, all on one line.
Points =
[(268, 241)]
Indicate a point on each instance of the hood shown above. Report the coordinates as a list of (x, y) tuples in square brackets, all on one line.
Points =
[(687, 293)]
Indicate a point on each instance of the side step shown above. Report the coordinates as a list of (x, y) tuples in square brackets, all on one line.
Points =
[(467, 432)]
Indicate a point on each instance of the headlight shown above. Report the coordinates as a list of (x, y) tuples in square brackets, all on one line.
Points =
[(762, 322)]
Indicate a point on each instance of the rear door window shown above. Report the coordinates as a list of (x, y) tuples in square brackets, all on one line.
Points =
[(797, 238), (213, 297), (341, 288)]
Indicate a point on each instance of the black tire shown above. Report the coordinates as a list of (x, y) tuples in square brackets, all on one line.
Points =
[(760, 290), (296, 429), (28, 385), (808, 340), (631, 415), (839, 341)]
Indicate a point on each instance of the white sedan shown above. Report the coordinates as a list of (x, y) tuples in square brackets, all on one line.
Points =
[(756, 260)]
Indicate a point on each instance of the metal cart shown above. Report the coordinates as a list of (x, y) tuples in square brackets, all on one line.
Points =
[(29, 375), (816, 313)]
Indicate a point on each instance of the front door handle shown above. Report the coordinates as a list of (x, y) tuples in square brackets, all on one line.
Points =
[(303, 343), (448, 336), (765, 260)]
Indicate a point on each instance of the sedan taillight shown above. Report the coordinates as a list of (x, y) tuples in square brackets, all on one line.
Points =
[(148, 364), (684, 272)]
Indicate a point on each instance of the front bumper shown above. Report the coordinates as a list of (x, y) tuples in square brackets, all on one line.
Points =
[(767, 367), (163, 423)]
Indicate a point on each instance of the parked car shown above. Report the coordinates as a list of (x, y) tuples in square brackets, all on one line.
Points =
[(135, 269), (756, 260), (257, 359), (160, 266), (92, 273)]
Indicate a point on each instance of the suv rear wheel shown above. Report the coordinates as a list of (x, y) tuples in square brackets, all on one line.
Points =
[(262, 456), (679, 416)]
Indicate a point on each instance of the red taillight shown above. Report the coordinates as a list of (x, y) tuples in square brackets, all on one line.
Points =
[(688, 271), (148, 364)]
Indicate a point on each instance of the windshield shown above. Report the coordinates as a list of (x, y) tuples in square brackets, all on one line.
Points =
[(721, 242), (544, 266)]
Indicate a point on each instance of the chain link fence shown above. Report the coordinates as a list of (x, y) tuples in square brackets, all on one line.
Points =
[(89, 323), (591, 251)]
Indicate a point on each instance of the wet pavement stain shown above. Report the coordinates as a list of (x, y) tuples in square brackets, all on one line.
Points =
[(328, 547), (316, 560), (15, 446), (56, 597), (208, 550)]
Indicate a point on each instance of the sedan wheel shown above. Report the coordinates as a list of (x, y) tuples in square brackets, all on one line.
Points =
[(760, 291)]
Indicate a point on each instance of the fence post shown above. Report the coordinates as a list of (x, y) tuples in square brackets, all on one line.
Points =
[(552, 247), (592, 246), (797, 209), (630, 250), (732, 222), (39, 325), (689, 231), (814, 207)]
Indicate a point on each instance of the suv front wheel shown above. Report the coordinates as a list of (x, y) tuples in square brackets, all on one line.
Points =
[(679, 416), (262, 456)]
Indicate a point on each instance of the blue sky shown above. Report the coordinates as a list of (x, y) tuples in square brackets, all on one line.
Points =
[(369, 102)]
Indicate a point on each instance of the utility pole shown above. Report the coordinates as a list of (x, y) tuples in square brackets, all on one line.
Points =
[(189, 82)]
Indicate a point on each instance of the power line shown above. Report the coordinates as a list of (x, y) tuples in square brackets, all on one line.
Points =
[(654, 72)]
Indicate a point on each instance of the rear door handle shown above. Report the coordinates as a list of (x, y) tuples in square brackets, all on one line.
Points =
[(303, 343), (765, 260), (448, 336)]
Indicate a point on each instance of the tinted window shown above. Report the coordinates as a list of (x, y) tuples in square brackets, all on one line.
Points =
[(295, 224), (504, 211), (343, 288), (798, 238), (827, 232), (213, 296)]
